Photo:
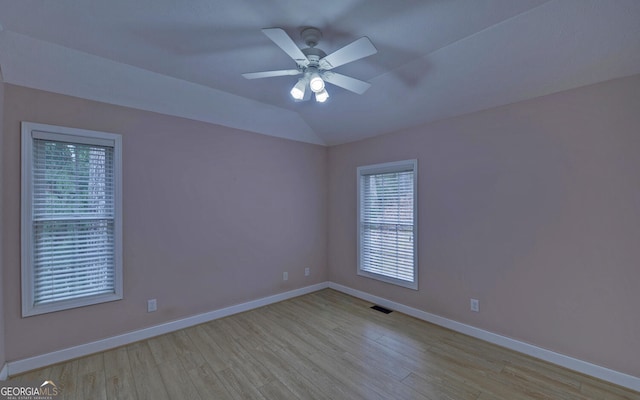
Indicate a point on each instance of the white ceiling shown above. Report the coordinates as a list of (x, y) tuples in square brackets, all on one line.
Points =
[(436, 58)]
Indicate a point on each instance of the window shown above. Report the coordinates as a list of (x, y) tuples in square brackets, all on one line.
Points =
[(71, 218), (387, 222)]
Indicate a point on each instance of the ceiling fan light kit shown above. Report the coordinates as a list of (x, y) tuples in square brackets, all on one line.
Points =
[(322, 96), (316, 83), (315, 65), (298, 90)]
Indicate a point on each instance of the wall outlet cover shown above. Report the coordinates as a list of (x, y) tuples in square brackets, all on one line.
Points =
[(475, 305)]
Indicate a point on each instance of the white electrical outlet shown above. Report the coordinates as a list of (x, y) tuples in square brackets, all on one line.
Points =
[(475, 305), (307, 271), (152, 305), (285, 276)]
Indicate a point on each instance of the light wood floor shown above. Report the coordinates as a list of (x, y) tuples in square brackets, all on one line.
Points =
[(325, 345)]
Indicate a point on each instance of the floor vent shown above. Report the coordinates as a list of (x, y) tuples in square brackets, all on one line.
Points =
[(381, 309)]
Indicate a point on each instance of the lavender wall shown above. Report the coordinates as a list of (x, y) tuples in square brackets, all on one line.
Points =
[(212, 217), (532, 208)]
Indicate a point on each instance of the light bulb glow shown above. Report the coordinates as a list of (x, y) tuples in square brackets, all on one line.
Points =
[(297, 92), (316, 83), (322, 96)]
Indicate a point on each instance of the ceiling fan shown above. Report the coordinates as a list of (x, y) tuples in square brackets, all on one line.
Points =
[(315, 65)]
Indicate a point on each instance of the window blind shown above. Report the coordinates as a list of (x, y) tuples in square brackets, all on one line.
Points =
[(387, 230), (73, 216)]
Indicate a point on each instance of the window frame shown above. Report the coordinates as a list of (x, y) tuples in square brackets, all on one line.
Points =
[(389, 167), (78, 136)]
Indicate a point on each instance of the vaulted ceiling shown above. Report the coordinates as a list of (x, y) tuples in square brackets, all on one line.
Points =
[(436, 58)]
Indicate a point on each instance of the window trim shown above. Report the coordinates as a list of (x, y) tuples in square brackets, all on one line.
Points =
[(394, 166), (72, 135)]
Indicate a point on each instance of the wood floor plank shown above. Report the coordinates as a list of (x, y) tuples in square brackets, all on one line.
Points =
[(118, 374), (41, 375), (325, 345), (279, 336), (209, 350), (332, 388), (92, 363), (404, 345), (208, 384), (65, 377), (282, 369), (116, 359), (385, 384), (536, 382), (162, 349), (92, 386), (371, 351), (599, 390), (120, 385), (177, 381), (258, 333), (91, 379), (353, 380), (146, 376), (276, 390), (236, 383), (236, 353), (187, 352), (441, 388)]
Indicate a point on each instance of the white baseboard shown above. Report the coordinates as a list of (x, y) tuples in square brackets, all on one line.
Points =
[(28, 364), (562, 360)]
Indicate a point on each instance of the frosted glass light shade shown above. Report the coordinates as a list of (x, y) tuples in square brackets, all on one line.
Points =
[(316, 83), (322, 96), (297, 92)]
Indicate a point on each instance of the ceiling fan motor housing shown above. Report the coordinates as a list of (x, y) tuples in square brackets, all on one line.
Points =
[(314, 55), (311, 36)]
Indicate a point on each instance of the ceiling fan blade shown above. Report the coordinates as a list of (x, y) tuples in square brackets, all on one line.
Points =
[(282, 40), (354, 51), (269, 74), (346, 82)]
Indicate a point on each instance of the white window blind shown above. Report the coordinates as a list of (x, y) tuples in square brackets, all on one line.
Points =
[(73, 240), (387, 222)]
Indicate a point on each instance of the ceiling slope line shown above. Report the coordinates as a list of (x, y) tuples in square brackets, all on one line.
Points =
[(51, 67), (460, 40)]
